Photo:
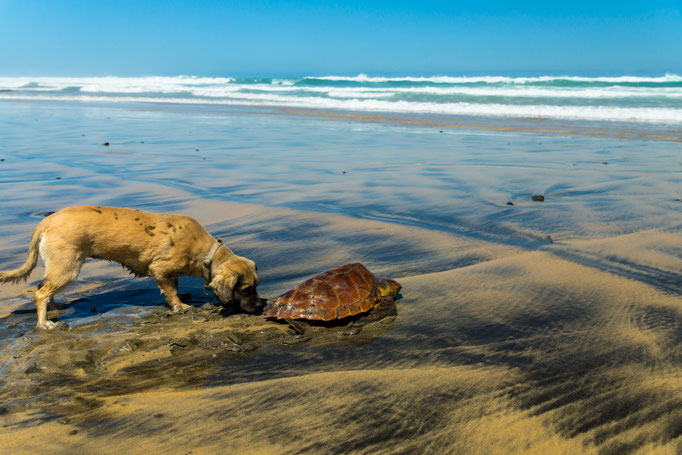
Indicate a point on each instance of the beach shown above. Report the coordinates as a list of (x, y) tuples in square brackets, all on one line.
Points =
[(524, 326)]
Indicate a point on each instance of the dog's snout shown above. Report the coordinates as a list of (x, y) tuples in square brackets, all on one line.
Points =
[(250, 303)]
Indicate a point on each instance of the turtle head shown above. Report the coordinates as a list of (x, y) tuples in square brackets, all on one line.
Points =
[(389, 288)]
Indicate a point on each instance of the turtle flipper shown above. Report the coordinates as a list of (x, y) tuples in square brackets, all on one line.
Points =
[(298, 326), (384, 308)]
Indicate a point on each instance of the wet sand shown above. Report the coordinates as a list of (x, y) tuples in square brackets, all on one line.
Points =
[(537, 327)]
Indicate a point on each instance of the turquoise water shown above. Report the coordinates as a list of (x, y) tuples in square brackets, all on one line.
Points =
[(624, 98)]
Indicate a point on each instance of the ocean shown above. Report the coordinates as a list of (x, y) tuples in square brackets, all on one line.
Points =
[(622, 99)]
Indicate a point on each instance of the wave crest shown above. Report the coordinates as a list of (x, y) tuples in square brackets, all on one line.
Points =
[(622, 98)]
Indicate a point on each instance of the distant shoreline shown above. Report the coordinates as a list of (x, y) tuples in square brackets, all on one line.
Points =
[(498, 125), (626, 130)]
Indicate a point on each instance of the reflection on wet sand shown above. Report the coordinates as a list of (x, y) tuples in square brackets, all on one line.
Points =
[(539, 327)]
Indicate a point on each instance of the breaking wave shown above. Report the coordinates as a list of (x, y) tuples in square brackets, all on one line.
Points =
[(620, 98)]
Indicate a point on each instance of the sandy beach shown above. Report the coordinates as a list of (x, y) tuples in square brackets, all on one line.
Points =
[(523, 327)]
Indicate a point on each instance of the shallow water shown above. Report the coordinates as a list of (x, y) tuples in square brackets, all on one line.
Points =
[(537, 327)]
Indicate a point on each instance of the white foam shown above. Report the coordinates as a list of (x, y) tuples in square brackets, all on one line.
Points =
[(500, 79), (285, 92), (601, 113), (221, 87), (113, 84), (511, 92)]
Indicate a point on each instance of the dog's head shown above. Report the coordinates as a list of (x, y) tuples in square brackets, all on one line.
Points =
[(234, 282)]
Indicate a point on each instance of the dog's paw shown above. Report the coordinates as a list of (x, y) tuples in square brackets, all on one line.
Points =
[(181, 308), (50, 325)]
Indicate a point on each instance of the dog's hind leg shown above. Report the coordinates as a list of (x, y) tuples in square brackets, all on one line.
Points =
[(51, 304), (169, 288), (61, 268)]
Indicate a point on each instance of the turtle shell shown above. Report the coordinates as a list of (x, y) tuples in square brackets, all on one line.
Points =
[(343, 291)]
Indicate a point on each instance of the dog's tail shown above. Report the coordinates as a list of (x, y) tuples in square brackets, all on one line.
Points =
[(24, 271)]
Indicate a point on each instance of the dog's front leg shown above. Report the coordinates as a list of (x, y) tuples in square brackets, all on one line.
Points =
[(169, 288)]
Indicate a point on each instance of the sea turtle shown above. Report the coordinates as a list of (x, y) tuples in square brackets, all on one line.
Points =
[(341, 292)]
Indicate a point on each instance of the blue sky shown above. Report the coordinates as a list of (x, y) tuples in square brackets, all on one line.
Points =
[(252, 38)]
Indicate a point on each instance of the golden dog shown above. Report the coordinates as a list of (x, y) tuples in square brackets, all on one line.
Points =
[(162, 246)]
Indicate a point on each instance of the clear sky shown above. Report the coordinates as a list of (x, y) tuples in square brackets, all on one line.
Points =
[(288, 38)]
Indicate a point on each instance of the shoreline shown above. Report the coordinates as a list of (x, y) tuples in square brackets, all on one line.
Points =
[(502, 124)]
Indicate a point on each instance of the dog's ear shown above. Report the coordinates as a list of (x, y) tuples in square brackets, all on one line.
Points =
[(230, 279), (223, 285)]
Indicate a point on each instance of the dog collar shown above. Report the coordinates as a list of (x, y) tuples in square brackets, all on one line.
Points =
[(209, 260)]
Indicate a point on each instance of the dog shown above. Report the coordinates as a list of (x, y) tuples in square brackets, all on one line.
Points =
[(163, 246)]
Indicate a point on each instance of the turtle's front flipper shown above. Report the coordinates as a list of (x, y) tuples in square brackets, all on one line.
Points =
[(384, 308), (298, 326)]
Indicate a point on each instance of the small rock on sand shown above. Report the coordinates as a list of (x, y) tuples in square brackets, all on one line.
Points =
[(538, 198), (106, 144)]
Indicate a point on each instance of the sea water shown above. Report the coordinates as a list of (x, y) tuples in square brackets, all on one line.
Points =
[(655, 99)]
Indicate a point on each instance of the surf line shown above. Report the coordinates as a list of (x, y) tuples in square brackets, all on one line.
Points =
[(403, 121)]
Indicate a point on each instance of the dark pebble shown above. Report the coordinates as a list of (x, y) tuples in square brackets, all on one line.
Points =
[(141, 142), (440, 131), (73, 432), (343, 172), (196, 150), (236, 339), (2, 159), (106, 144), (538, 198), (57, 178), (181, 342), (510, 203), (248, 347), (348, 332), (295, 339), (550, 239), (158, 415), (604, 162), (3, 410)]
